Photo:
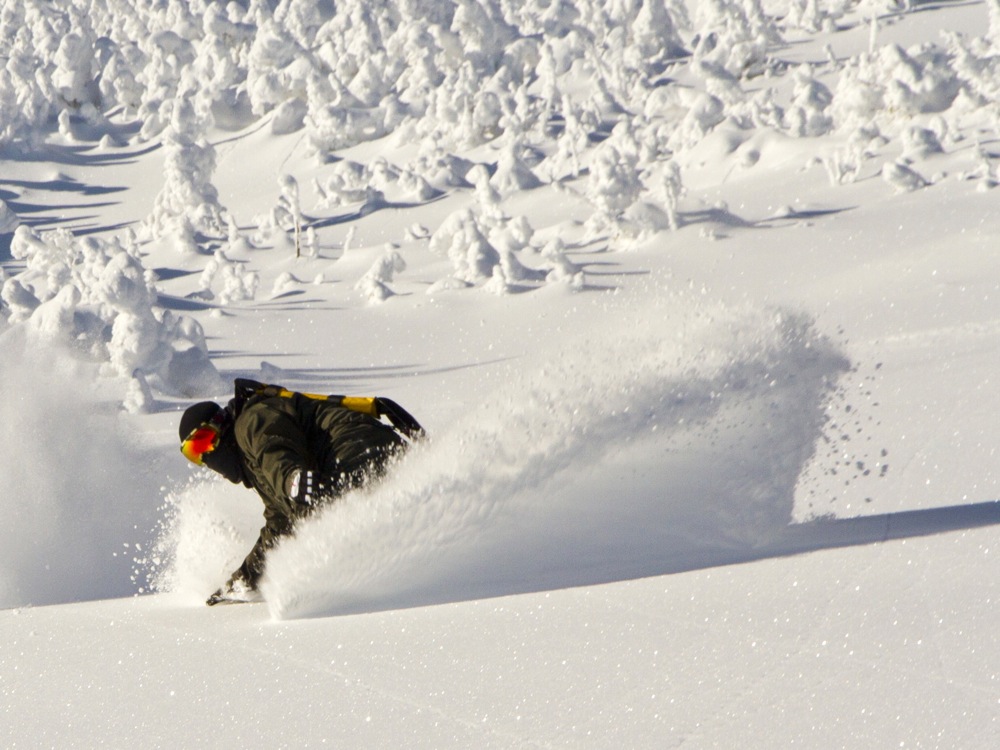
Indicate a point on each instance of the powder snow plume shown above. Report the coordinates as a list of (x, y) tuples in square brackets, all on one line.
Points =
[(208, 528), (71, 532), (628, 453)]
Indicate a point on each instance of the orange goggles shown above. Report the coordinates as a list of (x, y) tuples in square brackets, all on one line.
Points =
[(203, 439)]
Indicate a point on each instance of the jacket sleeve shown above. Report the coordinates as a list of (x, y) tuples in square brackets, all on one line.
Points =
[(253, 566), (273, 447)]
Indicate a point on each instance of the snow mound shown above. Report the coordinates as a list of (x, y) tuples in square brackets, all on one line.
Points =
[(626, 455), (94, 299)]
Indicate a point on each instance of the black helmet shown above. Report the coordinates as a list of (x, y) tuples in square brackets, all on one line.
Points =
[(197, 415)]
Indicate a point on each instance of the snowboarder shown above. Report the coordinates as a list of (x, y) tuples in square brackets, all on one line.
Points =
[(298, 451)]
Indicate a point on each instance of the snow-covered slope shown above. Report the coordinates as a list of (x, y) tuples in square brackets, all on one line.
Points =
[(699, 304), (876, 646)]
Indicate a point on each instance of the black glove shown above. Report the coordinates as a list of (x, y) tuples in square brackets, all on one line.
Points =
[(219, 597), (306, 489), (235, 590)]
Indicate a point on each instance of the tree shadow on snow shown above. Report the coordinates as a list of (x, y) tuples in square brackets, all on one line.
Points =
[(85, 155), (40, 215), (340, 380), (368, 208), (723, 218)]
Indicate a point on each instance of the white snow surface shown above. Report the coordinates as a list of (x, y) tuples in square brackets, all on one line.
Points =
[(699, 303)]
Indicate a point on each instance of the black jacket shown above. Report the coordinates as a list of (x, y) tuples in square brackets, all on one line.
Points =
[(274, 436)]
